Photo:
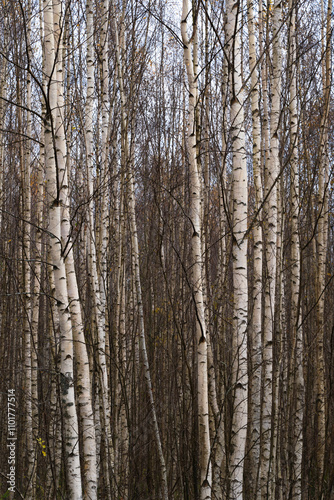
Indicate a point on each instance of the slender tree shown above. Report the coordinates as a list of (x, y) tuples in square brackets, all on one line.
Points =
[(55, 171), (197, 270)]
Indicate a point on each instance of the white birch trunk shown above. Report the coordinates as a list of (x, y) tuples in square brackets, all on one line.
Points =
[(239, 250), (270, 225), (54, 173), (256, 313), (296, 373), (84, 391), (27, 285), (104, 224), (322, 240), (99, 308), (196, 277)]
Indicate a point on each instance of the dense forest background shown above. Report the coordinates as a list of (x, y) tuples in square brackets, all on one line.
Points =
[(166, 249)]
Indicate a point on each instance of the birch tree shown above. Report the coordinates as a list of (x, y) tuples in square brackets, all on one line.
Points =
[(322, 239), (296, 373), (239, 220), (197, 271), (55, 171), (270, 224), (99, 308), (256, 313), (152, 354)]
